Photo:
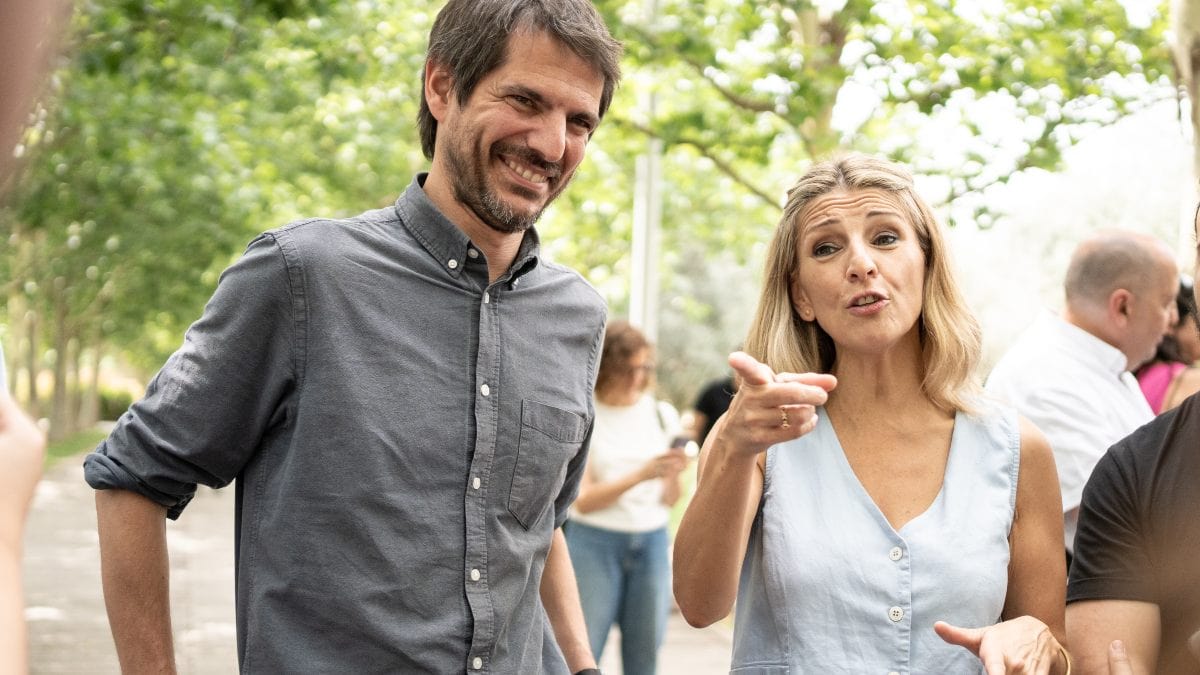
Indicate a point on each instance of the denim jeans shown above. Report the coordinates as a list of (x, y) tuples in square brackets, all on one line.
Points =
[(624, 578)]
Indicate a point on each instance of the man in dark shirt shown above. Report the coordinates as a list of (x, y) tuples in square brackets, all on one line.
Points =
[(404, 397), (711, 404), (1136, 573)]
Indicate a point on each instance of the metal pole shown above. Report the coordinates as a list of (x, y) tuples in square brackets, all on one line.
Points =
[(647, 219)]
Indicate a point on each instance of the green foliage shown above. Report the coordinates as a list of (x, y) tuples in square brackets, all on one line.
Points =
[(114, 403), (175, 131), (73, 445)]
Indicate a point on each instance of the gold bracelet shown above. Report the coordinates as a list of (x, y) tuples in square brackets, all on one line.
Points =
[(1066, 657)]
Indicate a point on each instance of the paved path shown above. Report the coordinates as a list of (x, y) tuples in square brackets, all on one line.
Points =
[(68, 629)]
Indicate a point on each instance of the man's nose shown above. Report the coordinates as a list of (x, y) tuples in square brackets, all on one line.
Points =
[(549, 138)]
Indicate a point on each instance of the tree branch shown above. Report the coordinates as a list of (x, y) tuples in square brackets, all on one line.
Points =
[(705, 151)]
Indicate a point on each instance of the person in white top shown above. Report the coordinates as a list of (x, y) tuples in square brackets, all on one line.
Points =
[(617, 535), (1070, 376)]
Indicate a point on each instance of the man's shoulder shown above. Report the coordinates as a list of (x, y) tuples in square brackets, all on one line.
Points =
[(1174, 432), (313, 239), (569, 281)]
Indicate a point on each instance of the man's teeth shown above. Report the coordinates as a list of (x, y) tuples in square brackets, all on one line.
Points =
[(526, 173)]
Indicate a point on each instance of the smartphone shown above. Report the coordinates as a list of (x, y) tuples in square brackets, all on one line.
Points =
[(689, 447)]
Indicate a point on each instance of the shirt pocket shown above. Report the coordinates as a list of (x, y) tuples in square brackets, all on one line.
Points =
[(550, 438)]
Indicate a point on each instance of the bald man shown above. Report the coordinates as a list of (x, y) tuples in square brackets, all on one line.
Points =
[(1070, 374)]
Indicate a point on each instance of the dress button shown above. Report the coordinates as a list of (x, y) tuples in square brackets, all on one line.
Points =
[(453, 264), (472, 253), (487, 297), (485, 390), (474, 575), (892, 672), (475, 482), (476, 663), (896, 614), (515, 282), (896, 553)]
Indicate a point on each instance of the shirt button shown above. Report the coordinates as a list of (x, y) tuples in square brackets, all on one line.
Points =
[(896, 553), (472, 253), (475, 482), (453, 264), (485, 390), (474, 575), (896, 614), (476, 663)]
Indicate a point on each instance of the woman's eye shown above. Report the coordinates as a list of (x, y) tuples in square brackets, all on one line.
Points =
[(886, 239), (821, 250)]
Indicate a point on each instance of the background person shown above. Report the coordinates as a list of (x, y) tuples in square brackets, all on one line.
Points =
[(1172, 375), (618, 535), (1135, 578), (22, 448), (1070, 375), (867, 512), (711, 403), (27, 36), (404, 397)]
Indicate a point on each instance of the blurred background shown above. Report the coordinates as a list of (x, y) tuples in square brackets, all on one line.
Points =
[(170, 132)]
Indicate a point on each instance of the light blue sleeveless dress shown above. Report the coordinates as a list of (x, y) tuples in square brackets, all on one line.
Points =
[(828, 586)]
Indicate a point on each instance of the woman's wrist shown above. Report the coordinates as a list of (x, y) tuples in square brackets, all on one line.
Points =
[(1066, 659)]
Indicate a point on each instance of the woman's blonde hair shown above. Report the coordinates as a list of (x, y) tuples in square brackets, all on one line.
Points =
[(950, 336)]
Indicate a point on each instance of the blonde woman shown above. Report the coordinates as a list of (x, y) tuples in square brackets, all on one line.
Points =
[(866, 508)]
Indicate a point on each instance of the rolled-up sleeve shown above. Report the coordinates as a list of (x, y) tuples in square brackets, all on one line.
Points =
[(205, 413)]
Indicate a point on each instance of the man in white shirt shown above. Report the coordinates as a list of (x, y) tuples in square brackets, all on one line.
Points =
[(1070, 375)]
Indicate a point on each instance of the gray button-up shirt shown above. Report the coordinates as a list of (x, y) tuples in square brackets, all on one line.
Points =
[(405, 435)]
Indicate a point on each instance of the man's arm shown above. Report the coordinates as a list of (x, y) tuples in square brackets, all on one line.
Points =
[(560, 596), (1092, 625), (22, 447), (136, 574)]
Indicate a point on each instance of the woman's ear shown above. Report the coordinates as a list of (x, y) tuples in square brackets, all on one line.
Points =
[(800, 302)]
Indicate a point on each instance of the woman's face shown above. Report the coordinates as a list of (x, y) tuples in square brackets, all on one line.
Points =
[(1187, 335), (634, 379), (861, 270)]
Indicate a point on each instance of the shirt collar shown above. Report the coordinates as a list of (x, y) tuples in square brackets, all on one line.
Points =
[(1112, 359), (443, 240)]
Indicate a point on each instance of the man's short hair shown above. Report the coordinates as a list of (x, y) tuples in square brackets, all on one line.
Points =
[(471, 37), (1109, 261)]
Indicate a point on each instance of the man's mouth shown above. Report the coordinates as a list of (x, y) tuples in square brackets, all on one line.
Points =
[(524, 172)]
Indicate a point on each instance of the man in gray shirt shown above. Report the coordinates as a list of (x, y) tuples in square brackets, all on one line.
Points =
[(404, 397)]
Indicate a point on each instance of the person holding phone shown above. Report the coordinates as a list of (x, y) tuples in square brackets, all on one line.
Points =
[(617, 534)]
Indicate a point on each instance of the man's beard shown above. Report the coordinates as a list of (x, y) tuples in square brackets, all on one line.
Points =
[(472, 190)]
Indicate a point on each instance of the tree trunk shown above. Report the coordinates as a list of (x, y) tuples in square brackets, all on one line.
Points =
[(1185, 53), (89, 408), (59, 422), (32, 403)]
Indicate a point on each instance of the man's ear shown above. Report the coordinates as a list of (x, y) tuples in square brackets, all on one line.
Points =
[(1120, 306), (439, 90)]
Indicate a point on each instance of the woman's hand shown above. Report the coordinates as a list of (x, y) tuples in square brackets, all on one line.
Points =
[(771, 407), (1018, 646), (666, 465)]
